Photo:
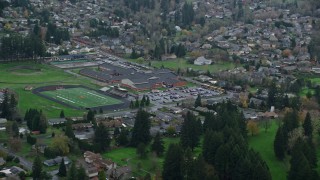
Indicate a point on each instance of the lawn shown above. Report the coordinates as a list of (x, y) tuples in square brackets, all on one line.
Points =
[(81, 97), (128, 156), (15, 77), (183, 64), (263, 143)]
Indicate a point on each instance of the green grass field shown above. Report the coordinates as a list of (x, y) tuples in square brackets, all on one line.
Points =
[(47, 76), (81, 97), (183, 64), (128, 156), (263, 143)]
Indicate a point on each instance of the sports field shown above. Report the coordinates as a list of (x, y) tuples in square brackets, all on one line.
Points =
[(81, 97)]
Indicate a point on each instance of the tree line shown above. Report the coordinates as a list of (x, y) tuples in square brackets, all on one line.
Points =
[(225, 151), (16, 46), (296, 139)]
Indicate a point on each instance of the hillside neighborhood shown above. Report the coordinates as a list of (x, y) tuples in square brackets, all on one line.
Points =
[(145, 89)]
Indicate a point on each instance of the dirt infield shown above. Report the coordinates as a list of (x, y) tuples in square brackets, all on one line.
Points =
[(123, 105)]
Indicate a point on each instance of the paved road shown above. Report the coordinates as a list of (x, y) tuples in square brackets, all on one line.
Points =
[(24, 162)]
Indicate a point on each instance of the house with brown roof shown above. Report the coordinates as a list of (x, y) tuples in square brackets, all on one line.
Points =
[(97, 161)]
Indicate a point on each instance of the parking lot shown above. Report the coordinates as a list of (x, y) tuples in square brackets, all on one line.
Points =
[(179, 94)]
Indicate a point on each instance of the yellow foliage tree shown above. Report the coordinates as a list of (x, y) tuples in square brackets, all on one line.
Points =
[(61, 143), (253, 127)]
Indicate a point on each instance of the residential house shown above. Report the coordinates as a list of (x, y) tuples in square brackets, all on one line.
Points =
[(97, 161), (2, 161), (202, 61), (57, 121), (56, 161), (3, 123)]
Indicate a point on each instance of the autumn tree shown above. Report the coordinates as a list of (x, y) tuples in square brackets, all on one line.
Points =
[(253, 127), (61, 144)]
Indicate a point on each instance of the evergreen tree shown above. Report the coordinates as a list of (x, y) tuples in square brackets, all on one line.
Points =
[(190, 134), (279, 144), (141, 150), (69, 131), (36, 168), (198, 101), (271, 101), (90, 116), (43, 123), (101, 138), (62, 114), (307, 126), (157, 145), (72, 173), (5, 109), (136, 104), (141, 128), (62, 169), (212, 141), (148, 101), (102, 175), (122, 140), (300, 168), (131, 104), (172, 166), (82, 174), (15, 129)]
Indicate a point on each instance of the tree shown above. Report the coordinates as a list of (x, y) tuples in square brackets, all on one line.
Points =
[(102, 175), (72, 173), (172, 166), (212, 141), (148, 101), (90, 116), (101, 138), (279, 144), (307, 126), (141, 128), (43, 123), (62, 169), (122, 139), (4, 106), (69, 131), (141, 150), (198, 101), (60, 143), (62, 114), (15, 144), (253, 127), (15, 129), (300, 168), (137, 104), (157, 145), (31, 140), (36, 168), (190, 133), (131, 104), (272, 92), (82, 174)]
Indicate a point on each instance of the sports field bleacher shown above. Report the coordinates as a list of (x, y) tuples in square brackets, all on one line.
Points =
[(81, 97)]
